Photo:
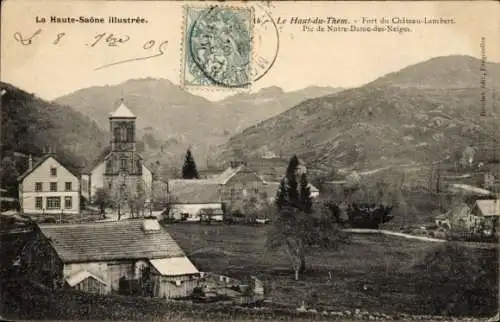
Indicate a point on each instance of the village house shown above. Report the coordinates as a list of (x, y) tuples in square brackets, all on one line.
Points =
[(481, 217), (120, 169), (100, 257), (193, 199), (49, 187), (239, 182), (489, 211)]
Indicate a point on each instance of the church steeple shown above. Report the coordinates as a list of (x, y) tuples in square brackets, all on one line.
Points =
[(122, 141), (122, 112)]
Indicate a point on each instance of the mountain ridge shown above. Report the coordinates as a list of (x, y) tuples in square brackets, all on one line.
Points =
[(175, 119), (393, 119)]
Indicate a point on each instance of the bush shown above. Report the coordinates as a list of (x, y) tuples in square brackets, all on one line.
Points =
[(456, 235), (369, 216)]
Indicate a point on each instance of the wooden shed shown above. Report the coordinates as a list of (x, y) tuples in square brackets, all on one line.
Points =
[(110, 257)]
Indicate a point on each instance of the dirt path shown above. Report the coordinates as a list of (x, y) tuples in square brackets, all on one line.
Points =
[(422, 238)]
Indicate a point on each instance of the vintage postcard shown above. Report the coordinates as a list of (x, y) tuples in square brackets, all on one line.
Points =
[(248, 161)]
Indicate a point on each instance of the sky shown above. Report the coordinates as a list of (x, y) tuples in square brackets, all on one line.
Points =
[(51, 68)]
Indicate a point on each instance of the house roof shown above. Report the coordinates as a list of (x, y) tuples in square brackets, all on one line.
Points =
[(194, 191), (93, 164), (101, 241), (459, 211), (174, 266), (489, 208), (42, 160), (227, 174), (80, 276), (122, 112)]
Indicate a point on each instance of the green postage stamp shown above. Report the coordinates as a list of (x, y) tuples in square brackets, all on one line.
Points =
[(217, 47)]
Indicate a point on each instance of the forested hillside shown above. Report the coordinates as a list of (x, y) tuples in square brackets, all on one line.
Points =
[(31, 125)]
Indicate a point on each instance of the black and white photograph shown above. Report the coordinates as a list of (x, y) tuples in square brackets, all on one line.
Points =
[(249, 160)]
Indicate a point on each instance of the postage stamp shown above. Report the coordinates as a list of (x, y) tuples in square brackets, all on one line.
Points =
[(217, 47)]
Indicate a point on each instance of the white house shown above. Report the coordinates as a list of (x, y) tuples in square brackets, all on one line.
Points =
[(48, 187)]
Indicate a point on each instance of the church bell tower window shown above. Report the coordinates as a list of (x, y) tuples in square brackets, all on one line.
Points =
[(123, 164)]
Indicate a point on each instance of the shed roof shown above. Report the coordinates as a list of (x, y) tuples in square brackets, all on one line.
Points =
[(80, 276), (174, 266), (489, 208), (101, 241)]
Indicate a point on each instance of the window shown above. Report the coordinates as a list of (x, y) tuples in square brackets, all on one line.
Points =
[(67, 186), (116, 134), (38, 186), (38, 202), (109, 166), (53, 203), (123, 164), (53, 172), (68, 202), (130, 133), (53, 186), (123, 133)]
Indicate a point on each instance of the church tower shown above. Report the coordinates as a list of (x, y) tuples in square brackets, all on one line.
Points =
[(123, 165)]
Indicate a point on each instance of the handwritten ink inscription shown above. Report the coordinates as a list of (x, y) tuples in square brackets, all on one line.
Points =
[(152, 48)]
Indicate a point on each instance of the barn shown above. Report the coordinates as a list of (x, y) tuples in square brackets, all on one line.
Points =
[(127, 257)]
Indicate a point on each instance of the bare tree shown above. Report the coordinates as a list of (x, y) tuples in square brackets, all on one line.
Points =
[(103, 200)]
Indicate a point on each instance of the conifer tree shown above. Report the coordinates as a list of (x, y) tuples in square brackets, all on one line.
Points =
[(189, 170), (293, 164), (281, 195), (291, 176), (305, 194)]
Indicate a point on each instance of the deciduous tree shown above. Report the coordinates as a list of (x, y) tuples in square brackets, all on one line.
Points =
[(103, 200), (297, 226)]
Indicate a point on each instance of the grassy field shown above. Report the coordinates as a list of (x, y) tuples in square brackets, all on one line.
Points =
[(400, 275), (373, 273)]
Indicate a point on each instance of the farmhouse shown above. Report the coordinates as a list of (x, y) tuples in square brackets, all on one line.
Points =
[(106, 257), (192, 199), (49, 187), (489, 211)]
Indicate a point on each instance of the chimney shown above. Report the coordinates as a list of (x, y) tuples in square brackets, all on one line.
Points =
[(30, 162)]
